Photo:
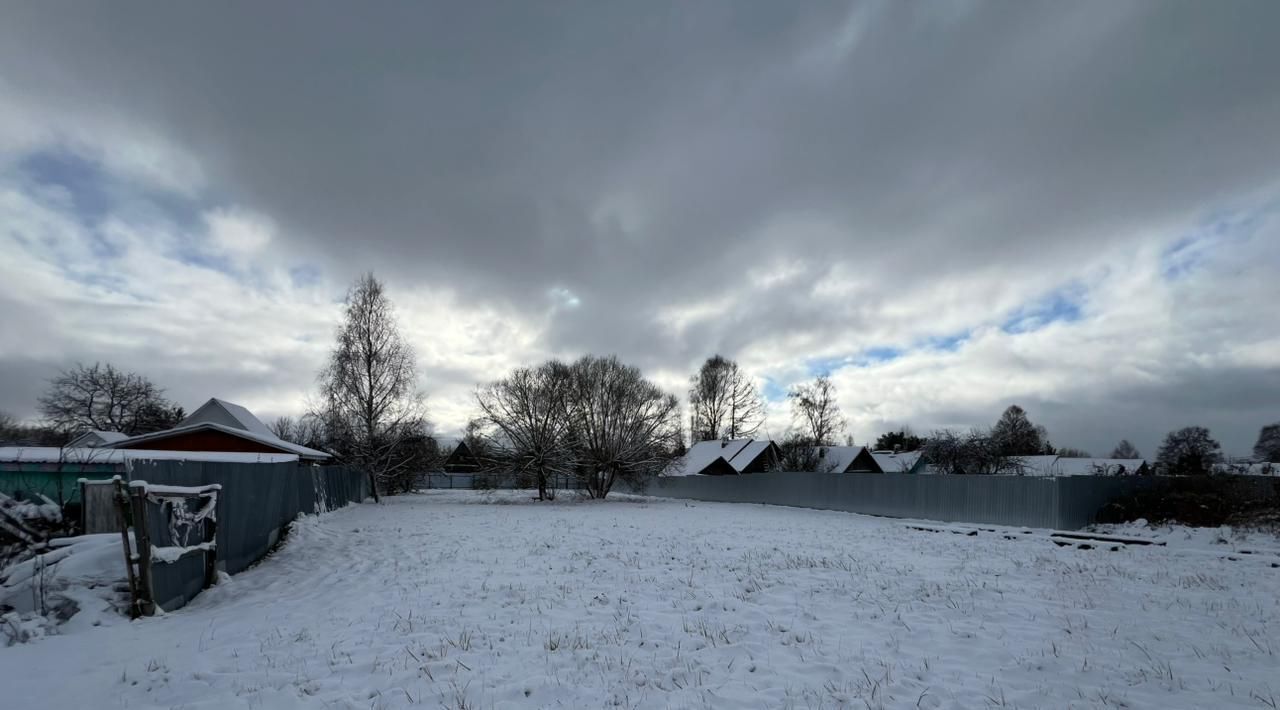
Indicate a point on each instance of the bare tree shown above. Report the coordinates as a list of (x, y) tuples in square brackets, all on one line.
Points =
[(9, 428), (1125, 450), (102, 397), (800, 454), (816, 412), (1189, 451), (1067, 452), (723, 402), (528, 411), (158, 416), (625, 427), (945, 452), (371, 405), (15, 433), (975, 452), (312, 432), (285, 428), (473, 434)]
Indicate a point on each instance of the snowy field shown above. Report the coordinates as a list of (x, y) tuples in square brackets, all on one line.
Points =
[(458, 600)]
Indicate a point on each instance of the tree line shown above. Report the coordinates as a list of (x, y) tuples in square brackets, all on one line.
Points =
[(596, 420)]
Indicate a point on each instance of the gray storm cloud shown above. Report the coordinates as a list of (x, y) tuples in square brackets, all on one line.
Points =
[(785, 183)]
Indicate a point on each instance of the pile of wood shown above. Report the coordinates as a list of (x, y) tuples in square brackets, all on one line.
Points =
[(26, 527)]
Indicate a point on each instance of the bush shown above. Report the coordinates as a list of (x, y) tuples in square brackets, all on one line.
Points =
[(1201, 501)]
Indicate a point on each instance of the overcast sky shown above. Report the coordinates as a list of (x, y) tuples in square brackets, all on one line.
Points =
[(948, 206)]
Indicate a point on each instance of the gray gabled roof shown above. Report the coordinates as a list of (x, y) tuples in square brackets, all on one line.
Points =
[(748, 453), (901, 462), (738, 453), (97, 437), (220, 411), (704, 453), (838, 458)]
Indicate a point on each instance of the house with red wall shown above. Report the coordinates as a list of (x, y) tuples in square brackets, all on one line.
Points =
[(219, 425)]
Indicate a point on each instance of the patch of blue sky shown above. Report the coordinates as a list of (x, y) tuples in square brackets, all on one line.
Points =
[(1062, 305), (84, 182), (304, 275), (824, 366), (772, 391), (872, 356), (865, 358), (94, 193), (1221, 229), (194, 255), (101, 278), (946, 343)]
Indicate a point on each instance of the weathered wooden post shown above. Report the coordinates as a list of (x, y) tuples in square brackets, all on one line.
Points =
[(122, 505), (146, 592), (211, 552)]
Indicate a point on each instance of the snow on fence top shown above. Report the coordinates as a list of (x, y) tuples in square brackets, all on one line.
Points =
[(162, 490)]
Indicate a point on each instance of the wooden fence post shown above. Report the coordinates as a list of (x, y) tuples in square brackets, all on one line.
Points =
[(211, 555), (122, 502), (146, 592)]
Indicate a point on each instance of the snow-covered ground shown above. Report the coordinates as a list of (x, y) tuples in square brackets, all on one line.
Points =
[(442, 600)]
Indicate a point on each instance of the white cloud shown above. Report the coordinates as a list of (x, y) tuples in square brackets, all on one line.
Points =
[(238, 232)]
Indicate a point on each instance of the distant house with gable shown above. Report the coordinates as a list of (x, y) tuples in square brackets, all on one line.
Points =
[(899, 462), (95, 438), (846, 459), (461, 460), (728, 457), (219, 425)]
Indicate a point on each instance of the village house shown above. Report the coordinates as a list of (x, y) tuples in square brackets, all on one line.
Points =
[(223, 426), (729, 457)]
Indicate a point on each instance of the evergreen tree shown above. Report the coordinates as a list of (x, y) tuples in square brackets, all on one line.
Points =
[(1015, 435)]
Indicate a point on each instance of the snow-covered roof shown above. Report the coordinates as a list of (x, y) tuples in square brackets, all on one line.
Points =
[(838, 458), (86, 455), (220, 411), (1034, 465), (704, 453), (1248, 469), (97, 437), (268, 439), (747, 453), (896, 463), (1090, 466)]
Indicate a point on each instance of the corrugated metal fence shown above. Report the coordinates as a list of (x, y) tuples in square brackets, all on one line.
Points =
[(1063, 503), (256, 502)]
